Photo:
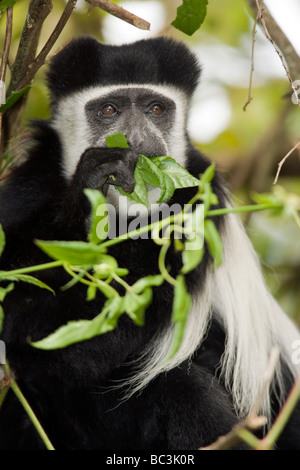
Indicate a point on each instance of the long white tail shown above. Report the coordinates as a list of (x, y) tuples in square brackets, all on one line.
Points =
[(236, 295), (252, 319)]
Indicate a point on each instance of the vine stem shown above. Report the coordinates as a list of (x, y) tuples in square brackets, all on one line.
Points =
[(249, 438), (3, 392), (251, 208), (4, 62), (139, 231), (268, 442), (39, 267), (162, 265), (14, 386), (132, 234)]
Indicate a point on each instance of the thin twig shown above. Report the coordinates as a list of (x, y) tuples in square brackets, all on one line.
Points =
[(252, 422), (252, 65), (40, 59), (235, 435), (38, 11), (282, 419), (120, 12), (4, 62), (7, 42), (282, 41), (283, 161), (8, 61), (268, 36), (14, 386), (26, 64)]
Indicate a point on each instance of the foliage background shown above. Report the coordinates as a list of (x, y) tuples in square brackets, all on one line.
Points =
[(246, 145)]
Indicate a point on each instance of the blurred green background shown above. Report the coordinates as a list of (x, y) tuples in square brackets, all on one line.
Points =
[(246, 145)]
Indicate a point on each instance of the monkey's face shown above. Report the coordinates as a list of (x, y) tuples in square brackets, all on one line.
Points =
[(153, 119), (145, 117)]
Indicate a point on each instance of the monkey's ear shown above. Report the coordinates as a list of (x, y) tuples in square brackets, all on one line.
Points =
[(74, 67)]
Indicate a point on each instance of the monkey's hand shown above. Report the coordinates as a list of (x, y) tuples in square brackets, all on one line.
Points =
[(102, 166)]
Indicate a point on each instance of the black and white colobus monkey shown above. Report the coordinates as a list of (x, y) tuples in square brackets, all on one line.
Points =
[(142, 90)]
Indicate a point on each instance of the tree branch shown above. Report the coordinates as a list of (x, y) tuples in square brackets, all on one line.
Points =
[(252, 422), (27, 64), (37, 13), (120, 12), (36, 64), (279, 40), (252, 65), (7, 42), (4, 62), (228, 441)]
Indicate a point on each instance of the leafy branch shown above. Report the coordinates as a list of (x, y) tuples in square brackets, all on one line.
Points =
[(88, 263)]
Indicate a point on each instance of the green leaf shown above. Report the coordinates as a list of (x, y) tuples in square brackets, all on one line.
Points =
[(181, 307), (76, 253), (161, 172), (91, 292), (108, 263), (140, 194), (1, 318), (7, 3), (208, 197), (108, 266), (193, 246), (148, 281), (191, 258), (13, 98), (117, 140), (279, 200), (6, 290), (107, 290), (190, 16), (179, 175), (208, 175), (135, 305), (214, 242), (99, 214), (151, 174), (2, 240), (82, 330), (155, 177), (167, 190), (182, 301), (29, 280)]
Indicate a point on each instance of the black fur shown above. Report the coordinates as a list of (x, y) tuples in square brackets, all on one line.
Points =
[(70, 389), (155, 61)]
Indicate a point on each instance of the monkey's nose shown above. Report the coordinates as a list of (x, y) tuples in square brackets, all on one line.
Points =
[(136, 141)]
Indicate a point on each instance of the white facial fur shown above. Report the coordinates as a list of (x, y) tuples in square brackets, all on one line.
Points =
[(73, 128)]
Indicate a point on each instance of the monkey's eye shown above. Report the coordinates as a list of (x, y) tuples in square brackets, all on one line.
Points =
[(157, 109), (108, 109)]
